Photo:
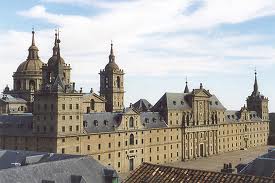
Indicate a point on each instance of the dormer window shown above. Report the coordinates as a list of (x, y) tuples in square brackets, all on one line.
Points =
[(182, 103), (216, 102), (85, 124), (105, 122), (233, 116), (210, 102), (228, 116), (95, 122), (174, 102), (146, 120), (154, 120)]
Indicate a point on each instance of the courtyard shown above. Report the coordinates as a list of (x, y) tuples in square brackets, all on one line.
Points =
[(215, 163)]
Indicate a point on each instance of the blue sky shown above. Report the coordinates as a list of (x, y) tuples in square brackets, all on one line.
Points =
[(157, 43)]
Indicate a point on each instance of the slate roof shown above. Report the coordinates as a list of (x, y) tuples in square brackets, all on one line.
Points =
[(261, 166), (10, 99), (152, 120), (142, 105), (178, 101), (232, 116), (107, 121), (8, 158), (74, 169), (16, 125), (101, 122), (215, 104), (158, 173)]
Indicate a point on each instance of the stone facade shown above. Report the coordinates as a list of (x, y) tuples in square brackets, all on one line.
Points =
[(179, 127)]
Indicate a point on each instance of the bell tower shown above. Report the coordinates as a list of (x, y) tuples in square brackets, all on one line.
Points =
[(112, 85), (258, 102)]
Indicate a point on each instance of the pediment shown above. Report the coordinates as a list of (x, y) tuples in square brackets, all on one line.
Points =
[(201, 93)]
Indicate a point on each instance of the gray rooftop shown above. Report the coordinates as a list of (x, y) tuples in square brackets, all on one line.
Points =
[(64, 169), (10, 99), (142, 105), (261, 166), (20, 124), (232, 116)]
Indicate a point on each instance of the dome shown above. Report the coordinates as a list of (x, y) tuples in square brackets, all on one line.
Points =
[(111, 66), (53, 60), (30, 65)]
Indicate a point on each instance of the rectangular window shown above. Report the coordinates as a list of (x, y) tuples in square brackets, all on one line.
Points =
[(63, 118), (77, 128), (71, 117), (52, 107), (63, 107), (63, 150), (99, 146), (109, 156), (77, 106), (118, 164), (109, 145), (71, 106), (77, 149), (77, 117), (71, 128), (88, 147), (118, 154), (98, 157), (63, 128), (63, 140)]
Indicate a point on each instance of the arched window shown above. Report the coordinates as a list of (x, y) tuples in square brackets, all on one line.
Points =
[(132, 139), (187, 119), (118, 82), (106, 82), (18, 85), (32, 85), (92, 104), (131, 122)]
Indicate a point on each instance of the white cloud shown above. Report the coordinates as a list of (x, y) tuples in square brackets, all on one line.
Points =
[(150, 38)]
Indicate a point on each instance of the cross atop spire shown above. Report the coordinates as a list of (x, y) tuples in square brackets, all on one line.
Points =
[(186, 90), (111, 56)]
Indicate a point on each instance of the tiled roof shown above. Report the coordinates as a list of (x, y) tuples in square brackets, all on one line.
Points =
[(158, 174)]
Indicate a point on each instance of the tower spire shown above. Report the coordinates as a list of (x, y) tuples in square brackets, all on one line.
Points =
[(55, 48), (33, 42), (33, 50), (186, 90), (111, 56), (256, 89)]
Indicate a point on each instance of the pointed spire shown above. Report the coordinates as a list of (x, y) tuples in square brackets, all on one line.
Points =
[(33, 50), (33, 42), (256, 89), (55, 48), (186, 90), (111, 56)]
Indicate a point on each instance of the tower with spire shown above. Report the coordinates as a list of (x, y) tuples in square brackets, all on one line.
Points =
[(112, 85), (27, 79), (186, 89), (258, 102), (57, 106), (56, 74)]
